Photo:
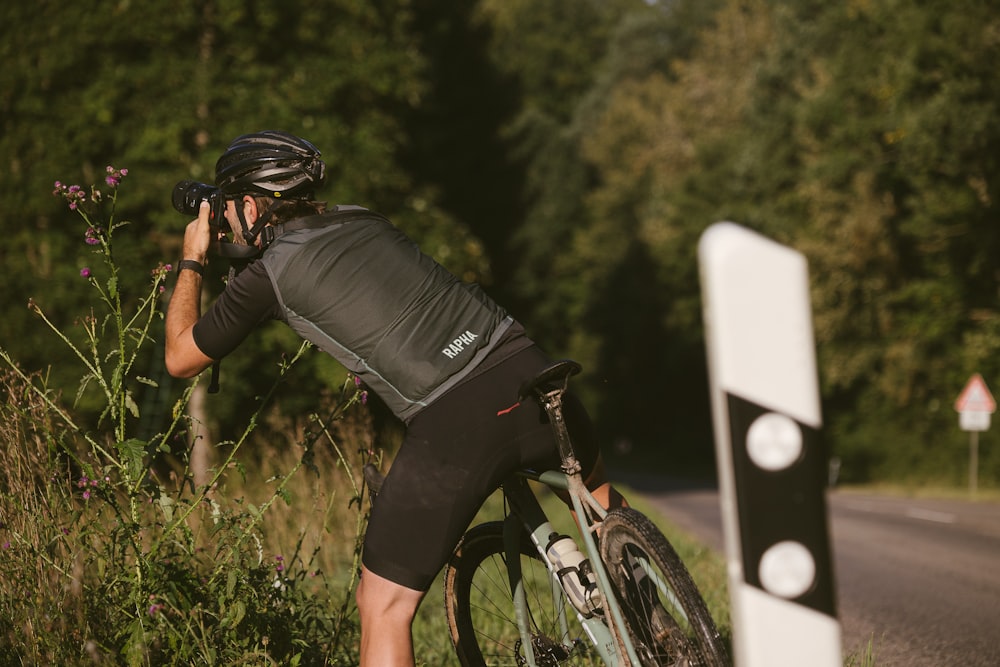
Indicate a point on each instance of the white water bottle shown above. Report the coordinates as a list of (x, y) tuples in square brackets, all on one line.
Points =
[(574, 572)]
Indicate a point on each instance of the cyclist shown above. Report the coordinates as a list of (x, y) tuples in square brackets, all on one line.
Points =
[(443, 356)]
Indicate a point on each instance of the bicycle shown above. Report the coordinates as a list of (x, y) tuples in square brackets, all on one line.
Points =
[(517, 592)]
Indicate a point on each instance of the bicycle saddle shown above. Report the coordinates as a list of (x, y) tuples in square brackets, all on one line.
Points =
[(561, 370)]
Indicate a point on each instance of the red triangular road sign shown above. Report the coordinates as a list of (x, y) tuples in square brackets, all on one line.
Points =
[(976, 397)]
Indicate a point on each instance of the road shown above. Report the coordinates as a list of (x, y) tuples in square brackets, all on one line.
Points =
[(919, 579)]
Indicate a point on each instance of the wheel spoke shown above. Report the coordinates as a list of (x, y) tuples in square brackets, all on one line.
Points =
[(481, 609)]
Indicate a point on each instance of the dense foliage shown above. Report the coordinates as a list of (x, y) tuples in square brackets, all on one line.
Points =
[(568, 153)]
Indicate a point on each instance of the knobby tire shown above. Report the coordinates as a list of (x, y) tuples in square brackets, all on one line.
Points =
[(667, 618)]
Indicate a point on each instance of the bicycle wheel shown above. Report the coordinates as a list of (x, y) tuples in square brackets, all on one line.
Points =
[(666, 616), (480, 607)]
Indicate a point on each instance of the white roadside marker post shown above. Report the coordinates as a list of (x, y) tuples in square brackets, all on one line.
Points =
[(772, 466)]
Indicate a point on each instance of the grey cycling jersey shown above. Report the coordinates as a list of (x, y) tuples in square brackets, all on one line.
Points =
[(363, 292)]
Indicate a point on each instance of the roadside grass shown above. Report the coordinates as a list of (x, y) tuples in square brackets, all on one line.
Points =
[(925, 491), (866, 657)]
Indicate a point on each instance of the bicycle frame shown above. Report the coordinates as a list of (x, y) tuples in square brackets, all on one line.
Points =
[(608, 634)]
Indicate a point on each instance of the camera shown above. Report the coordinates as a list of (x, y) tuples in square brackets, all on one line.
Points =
[(187, 199), (188, 196)]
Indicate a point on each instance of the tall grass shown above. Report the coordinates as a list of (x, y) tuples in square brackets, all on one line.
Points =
[(210, 577)]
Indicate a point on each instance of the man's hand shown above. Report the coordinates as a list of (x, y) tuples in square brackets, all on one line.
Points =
[(183, 356), (198, 235)]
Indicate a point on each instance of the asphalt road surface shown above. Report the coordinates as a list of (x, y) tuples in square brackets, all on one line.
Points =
[(917, 579)]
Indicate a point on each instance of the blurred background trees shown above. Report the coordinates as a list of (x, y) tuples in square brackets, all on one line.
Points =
[(567, 154)]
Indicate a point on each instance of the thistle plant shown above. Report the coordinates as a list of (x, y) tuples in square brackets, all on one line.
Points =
[(104, 561), (111, 370)]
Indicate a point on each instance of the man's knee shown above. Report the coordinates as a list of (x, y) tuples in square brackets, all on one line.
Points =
[(380, 597)]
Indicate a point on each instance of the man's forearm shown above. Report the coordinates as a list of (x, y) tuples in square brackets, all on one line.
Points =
[(185, 304), (183, 358)]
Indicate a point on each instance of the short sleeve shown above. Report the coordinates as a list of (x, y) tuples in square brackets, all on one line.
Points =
[(247, 301)]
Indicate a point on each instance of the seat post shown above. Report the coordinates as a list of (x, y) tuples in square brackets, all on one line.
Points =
[(552, 402)]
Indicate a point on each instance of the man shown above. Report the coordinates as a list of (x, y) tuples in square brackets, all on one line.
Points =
[(444, 357)]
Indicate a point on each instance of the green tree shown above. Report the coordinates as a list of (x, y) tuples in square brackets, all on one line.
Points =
[(161, 89), (894, 128), (862, 135)]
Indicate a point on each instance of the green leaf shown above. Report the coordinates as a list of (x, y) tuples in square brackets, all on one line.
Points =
[(147, 381), (135, 647), (167, 506), (84, 381), (130, 404), (236, 613), (132, 452)]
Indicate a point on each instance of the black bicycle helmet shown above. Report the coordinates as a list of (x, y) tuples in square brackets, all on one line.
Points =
[(270, 163)]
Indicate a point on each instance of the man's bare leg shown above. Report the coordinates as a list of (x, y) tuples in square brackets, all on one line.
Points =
[(387, 611)]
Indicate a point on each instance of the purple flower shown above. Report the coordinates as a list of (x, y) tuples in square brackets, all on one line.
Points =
[(73, 194), (115, 176), (364, 398), (85, 272), (161, 271), (87, 484)]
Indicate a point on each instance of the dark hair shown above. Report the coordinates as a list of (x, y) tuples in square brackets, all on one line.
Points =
[(284, 210)]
